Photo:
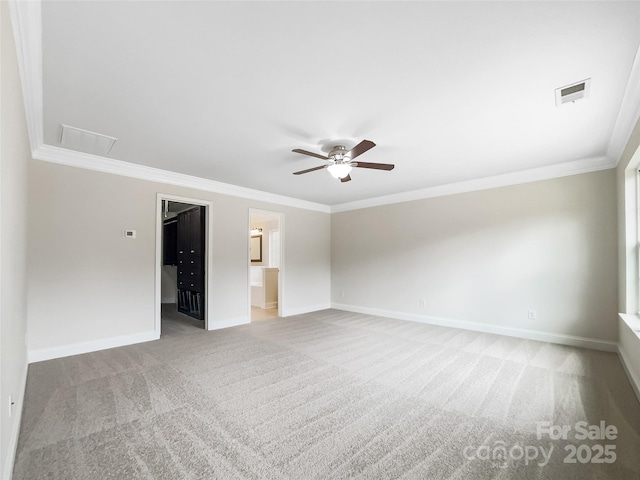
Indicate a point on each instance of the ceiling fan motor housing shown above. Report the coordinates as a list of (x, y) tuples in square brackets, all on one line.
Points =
[(339, 154)]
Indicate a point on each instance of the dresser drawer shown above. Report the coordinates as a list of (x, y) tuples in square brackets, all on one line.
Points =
[(196, 286)]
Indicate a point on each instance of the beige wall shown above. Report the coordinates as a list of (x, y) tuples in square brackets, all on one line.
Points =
[(14, 154), (489, 256), (88, 283)]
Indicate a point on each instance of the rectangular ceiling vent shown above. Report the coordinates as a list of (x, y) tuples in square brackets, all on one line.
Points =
[(85, 141), (573, 92)]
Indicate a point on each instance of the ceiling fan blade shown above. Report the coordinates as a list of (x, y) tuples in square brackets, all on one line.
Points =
[(310, 170), (305, 152), (377, 166), (359, 149), (346, 179)]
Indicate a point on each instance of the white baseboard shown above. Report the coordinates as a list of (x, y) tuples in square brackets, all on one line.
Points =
[(631, 375), (86, 347), (12, 446), (301, 310), (561, 339), (230, 322)]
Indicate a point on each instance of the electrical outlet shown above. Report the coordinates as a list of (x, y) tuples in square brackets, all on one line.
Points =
[(531, 314), (342, 294), (421, 302)]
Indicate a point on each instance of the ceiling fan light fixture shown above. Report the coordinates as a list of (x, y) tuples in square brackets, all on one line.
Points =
[(341, 161), (339, 170)]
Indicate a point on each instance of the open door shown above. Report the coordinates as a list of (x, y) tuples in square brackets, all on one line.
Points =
[(190, 256)]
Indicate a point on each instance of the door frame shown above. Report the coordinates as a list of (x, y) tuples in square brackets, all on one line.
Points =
[(281, 282), (208, 314)]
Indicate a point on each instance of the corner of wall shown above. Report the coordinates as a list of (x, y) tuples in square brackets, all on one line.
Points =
[(14, 156)]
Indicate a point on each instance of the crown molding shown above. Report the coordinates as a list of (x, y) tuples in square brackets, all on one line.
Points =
[(87, 161), (628, 114), (524, 176), (73, 158)]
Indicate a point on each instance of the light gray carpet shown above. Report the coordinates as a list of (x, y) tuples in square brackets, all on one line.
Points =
[(326, 395)]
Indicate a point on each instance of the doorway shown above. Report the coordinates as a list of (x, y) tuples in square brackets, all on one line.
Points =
[(183, 265), (265, 264)]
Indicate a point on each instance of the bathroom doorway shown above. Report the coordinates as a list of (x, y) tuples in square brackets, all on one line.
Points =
[(265, 264)]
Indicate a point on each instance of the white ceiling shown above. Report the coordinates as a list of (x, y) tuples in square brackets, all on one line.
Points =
[(449, 91)]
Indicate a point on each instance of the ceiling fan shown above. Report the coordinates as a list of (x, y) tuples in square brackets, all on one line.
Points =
[(341, 160)]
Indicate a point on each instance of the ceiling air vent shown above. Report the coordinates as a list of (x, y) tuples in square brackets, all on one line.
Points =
[(573, 92), (85, 141)]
